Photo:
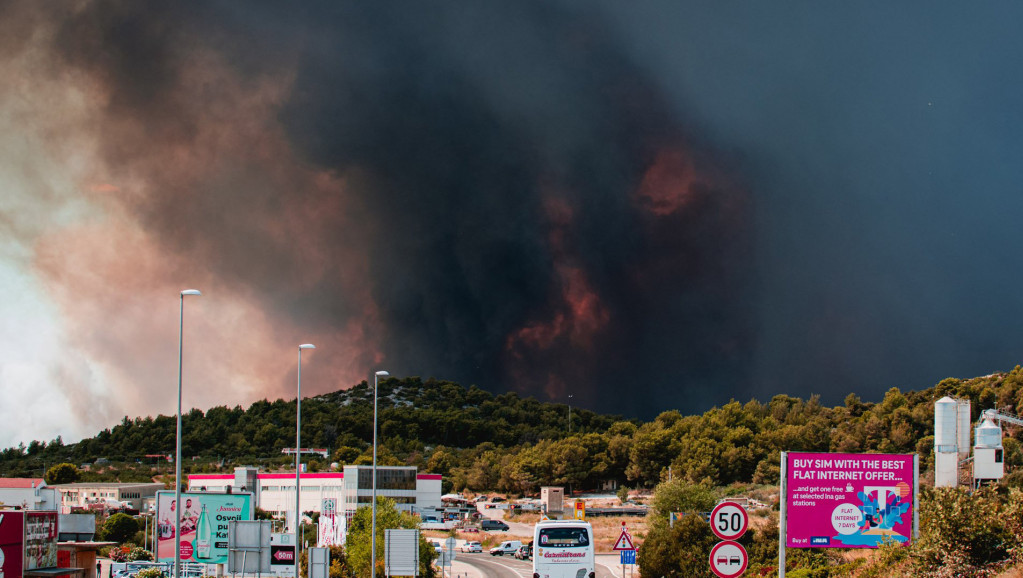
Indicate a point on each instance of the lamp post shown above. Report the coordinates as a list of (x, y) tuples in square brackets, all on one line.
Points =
[(177, 455), (373, 524), (298, 454), (570, 413)]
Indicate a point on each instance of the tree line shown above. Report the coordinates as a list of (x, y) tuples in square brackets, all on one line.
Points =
[(482, 442)]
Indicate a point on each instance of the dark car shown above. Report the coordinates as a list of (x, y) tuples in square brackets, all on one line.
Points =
[(493, 525)]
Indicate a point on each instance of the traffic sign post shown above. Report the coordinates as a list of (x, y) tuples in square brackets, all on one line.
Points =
[(729, 521), (624, 545), (728, 559), (448, 555)]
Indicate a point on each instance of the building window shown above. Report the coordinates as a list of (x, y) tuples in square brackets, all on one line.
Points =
[(388, 479), (998, 459), (395, 499)]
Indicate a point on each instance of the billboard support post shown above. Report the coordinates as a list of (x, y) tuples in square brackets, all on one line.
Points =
[(916, 496), (783, 497)]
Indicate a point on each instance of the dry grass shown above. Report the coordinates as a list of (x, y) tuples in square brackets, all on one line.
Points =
[(606, 531)]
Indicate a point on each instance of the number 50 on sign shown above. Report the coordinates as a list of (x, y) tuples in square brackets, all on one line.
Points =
[(729, 521)]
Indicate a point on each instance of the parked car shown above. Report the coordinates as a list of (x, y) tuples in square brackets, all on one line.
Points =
[(506, 547), (493, 525), (472, 546), (524, 552)]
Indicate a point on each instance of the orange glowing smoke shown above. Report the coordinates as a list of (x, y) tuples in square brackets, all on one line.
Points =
[(577, 313), (668, 184)]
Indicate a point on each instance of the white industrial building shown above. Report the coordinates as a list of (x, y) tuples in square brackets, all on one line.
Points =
[(952, 443), (349, 489), (109, 494), (988, 456), (28, 494)]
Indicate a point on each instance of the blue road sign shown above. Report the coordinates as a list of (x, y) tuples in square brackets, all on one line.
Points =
[(628, 556)]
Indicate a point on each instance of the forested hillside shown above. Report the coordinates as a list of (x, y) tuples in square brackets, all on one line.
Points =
[(508, 443)]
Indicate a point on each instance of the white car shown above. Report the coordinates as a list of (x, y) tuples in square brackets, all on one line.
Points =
[(472, 546), (437, 547), (507, 547)]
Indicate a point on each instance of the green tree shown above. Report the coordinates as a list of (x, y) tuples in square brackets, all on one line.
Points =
[(681, 551), (64, 473), (119, 528), (960, 532), (358, 546), (681, 496)]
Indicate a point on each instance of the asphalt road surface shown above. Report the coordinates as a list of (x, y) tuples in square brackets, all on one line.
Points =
[(486, 566)]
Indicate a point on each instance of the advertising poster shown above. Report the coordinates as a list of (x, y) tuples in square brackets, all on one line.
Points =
[(12, 542), (848, 500), (40, 540), (204, 521)]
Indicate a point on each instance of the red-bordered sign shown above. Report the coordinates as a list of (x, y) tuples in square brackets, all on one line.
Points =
[(728, 559), (729, 521), (624, 541)]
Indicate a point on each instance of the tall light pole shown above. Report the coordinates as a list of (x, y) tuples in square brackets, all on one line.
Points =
[(570, 413), (177, 456), (373, 524), (298, 454)]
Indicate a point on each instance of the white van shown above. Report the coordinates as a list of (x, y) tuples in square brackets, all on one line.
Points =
[(563, 549), (507, 547)]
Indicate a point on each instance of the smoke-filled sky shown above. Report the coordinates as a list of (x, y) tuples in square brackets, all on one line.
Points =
[(647, 206)]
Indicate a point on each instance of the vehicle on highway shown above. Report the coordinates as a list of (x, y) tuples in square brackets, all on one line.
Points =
[(563, 549), (525, 552), (436, 546), (472, 546), (493, 525), (506, 547)]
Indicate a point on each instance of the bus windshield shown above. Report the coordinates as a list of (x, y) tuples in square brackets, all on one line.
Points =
[(564, 537)]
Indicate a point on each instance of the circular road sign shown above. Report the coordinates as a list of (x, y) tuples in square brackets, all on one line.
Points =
[(729, 521), (728, 559)]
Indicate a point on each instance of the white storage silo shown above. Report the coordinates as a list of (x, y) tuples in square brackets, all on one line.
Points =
[(963, 428), (988, 463), (946, 452)]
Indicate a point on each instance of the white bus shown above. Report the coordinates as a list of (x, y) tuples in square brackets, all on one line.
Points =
[(563, 549)]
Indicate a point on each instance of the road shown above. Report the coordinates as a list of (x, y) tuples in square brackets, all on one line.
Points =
[(486, 566)]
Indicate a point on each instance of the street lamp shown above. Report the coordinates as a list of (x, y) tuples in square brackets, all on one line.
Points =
[(298, 453), (373, 524), (570, 414), (177, 456)]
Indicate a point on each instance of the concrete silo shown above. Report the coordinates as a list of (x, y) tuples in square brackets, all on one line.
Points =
[(963, 422)]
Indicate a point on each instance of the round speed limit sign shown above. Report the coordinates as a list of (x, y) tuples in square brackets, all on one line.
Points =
[(729, 521)]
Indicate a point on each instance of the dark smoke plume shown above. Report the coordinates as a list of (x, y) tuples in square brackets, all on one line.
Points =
[(491, 193)]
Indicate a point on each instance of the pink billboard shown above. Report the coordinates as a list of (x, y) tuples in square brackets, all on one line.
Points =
[(12, 543), (848, 500)]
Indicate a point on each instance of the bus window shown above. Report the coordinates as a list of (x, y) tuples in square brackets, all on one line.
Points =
[(564, 537)]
